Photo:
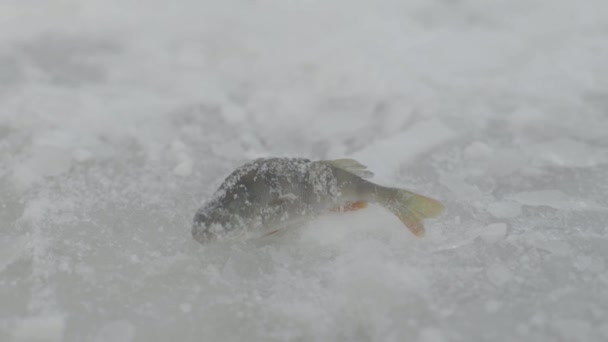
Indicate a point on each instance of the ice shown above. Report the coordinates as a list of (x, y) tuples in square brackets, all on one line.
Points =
[(494, 232), (477, 150), (118, 121), (570, 153), (431, 335), (499, 274), (40, 328), (493, 306), (555, 199), (185, 307), (119, 331), (572, 329), (405, 147), (505, 209)]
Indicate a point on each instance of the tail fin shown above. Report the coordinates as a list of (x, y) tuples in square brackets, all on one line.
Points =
[(412, 208)]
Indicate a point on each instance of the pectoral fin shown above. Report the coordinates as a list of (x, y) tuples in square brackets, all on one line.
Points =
[(352, 166), (351, 206)]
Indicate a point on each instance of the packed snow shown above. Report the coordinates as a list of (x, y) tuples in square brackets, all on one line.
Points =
[(119, 119)]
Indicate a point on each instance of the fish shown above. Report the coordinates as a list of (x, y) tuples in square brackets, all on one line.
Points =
[(266, 195)]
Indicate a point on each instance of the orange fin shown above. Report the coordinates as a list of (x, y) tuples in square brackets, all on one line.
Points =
[(351, 206), (414, 224), (412, 209), (271, 233)]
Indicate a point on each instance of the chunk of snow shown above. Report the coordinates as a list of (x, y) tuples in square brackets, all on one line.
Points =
[(504, 209)]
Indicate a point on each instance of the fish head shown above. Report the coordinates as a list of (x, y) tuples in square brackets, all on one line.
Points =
[(214, 222)]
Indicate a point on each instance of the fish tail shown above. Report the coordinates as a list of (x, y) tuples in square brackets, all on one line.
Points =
[(410, 207)]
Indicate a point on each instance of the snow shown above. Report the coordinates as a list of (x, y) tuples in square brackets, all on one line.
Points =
[(118, 121)]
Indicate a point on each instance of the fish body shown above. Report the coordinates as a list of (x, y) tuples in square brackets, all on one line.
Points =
[(265, 195)]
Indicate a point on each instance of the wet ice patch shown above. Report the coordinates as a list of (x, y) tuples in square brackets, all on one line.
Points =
[(555, 199), (569, 153)]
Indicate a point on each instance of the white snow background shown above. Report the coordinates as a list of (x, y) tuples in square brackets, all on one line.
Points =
[(118, 119)]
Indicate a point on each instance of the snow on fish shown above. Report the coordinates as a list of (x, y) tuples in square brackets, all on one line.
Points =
[(265, 195)]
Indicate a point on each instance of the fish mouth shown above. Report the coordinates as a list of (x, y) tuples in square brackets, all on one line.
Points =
[(204, 237)]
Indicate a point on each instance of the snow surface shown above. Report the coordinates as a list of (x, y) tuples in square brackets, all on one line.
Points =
[(119, 118)]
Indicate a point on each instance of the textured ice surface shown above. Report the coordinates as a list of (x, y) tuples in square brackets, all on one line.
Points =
[(119, 119)]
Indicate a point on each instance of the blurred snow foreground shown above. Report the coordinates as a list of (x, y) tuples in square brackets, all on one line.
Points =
[(118, 120)]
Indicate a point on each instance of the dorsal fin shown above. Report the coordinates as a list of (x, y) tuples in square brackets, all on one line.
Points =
[(352, 166)]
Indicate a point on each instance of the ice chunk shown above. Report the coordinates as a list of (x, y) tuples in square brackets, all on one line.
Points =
[(459, 186), (494, 232), (185, 163), (40, 328), (504, 209), (183, 169), (404, 147)]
